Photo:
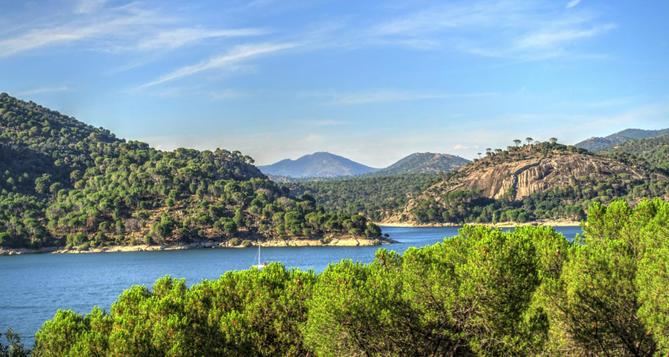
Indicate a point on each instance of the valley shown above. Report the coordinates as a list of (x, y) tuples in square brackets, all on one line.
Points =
[(66, 185), (334, 178)]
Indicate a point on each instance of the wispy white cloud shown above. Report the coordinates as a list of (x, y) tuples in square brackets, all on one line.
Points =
[(115, 29), (552, 38), (457, 15), (179, 37), (43, 90), (573, 3), (42, 38), (115, 23), (233, 57), (526, 30)]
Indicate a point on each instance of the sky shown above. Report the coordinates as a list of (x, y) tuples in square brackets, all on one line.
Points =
[(370, 80)]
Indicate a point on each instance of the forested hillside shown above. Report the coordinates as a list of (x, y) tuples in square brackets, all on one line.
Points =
[(533, 182), (597, 144), (424, 163), (377, 197), (528, 292), (383, 193), (65, 183), (538, 181), (654, 151)]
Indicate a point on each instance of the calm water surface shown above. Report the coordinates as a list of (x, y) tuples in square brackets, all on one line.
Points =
[(33, 287)]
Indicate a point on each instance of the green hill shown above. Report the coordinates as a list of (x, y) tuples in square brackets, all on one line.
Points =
[(597, 144), (533, 182), (655, 151), (423, 163), (65, 183), (376, 197)]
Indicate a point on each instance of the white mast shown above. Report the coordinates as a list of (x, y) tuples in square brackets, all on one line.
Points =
[(260, 265)]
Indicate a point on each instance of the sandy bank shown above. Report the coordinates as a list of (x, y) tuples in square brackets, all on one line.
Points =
[(345, 241), (553, 223)]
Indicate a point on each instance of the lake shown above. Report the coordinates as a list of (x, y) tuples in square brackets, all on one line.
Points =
[(33, 287)]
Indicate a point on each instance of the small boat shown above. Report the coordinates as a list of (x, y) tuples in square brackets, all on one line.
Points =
[(260, 265)]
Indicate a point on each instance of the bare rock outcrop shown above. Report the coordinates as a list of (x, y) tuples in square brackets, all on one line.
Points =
[(522, 172)]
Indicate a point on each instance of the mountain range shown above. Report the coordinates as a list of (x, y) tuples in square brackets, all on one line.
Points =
[(597, 144), (327, 165), (65, 183), (321, 165)]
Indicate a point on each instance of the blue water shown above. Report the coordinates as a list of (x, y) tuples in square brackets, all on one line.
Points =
[(33, 287)]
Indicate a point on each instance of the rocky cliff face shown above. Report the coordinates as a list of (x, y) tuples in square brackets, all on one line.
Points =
[(516, 180), (522, 172)]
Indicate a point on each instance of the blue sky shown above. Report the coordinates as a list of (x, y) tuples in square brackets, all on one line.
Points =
[(370, 80)]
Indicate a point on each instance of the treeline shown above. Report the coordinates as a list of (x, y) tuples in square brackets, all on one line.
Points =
[(65, 183), (654, 151), (382, 197), (468, 206), (374, 196), (484, 292), (560, 202)]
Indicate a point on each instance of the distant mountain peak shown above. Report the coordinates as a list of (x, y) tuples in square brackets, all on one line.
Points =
[(320, 164), (424, 162)]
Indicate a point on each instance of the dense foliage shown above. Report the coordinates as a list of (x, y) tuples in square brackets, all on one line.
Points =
[(484, 292), (66, 183), (599, 144), (566, 201), (14, 347), (384, 197), (655, 151), (374, 196), (469, 207)]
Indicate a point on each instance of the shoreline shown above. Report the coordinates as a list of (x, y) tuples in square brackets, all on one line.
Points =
[(552, 223), (346, 241)]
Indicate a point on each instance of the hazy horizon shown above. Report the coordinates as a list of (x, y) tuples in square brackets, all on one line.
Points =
[(370, 82)]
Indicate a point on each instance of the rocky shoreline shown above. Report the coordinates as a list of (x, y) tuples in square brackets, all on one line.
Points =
[(345, 241)]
